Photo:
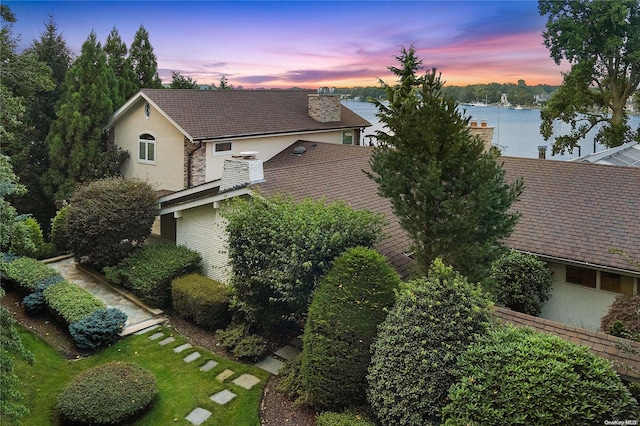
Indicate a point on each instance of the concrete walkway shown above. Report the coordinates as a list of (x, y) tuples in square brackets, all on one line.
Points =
[(139, 316)]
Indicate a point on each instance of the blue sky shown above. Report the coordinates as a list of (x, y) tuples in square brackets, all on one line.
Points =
[(311, 44)]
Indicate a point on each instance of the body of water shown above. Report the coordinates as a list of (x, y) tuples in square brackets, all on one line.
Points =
[(517, 132)]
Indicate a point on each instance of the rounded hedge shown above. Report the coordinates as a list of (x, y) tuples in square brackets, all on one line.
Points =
[(201, 300), (519, 376), (108, 394), (350, 302), (623, 318), (522, 282), (414, 359)]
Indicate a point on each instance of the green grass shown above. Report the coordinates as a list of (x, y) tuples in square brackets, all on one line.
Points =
[(181, 386)]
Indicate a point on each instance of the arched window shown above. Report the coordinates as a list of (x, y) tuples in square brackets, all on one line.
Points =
[(147, 148)]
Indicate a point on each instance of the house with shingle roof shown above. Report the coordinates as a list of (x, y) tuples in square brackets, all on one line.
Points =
[(572, 214), (180, 138)]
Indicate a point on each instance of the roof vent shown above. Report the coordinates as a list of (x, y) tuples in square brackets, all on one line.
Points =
[(299, 150)]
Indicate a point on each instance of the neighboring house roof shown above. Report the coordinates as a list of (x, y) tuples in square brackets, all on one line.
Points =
[(627, 154), (223, 114), (577, 211), (336, 172), (571, 212)]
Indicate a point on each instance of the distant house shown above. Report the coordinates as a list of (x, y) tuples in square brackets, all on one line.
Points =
[(180, 138), (627, 154), (572, 214)]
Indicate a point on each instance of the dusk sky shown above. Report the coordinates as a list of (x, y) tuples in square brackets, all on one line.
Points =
[(311, 44)]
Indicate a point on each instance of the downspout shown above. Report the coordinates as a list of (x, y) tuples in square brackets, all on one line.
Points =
[(189, 161)]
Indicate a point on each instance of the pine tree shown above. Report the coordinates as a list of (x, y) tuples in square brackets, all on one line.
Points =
[(224, 84), (448, 194), (116, 51), (143, 61), (179, 81), (78, 146)]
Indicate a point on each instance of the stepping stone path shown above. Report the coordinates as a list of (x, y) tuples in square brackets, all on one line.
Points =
[(192, 357), (271, 365), (246, 381), (146, 330), (156, 336), (167, 341), (198, 416), (209, 365), (223, 396), (182, 348), (287, 352), (274, 365), (225, 375)]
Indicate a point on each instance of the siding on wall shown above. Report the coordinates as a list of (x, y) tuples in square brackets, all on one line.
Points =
[(203, 229)]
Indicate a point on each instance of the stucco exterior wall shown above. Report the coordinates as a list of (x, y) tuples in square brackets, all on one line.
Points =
[(167, 172), (203, 229), (575, 305), (267, 147)]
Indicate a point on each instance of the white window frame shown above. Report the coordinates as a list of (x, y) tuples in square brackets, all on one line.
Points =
[(147, 142), (217, 153), (345, 133)]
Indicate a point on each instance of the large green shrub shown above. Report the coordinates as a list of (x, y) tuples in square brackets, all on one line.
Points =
[(348, 305), (110, 393), (148, 272), (70, 302), (99, 329), (32, 242), (107, 219), (414, 359), (623, 317), (342, 419), (201, 300), (279, 249), (517, 376), (27, 272), (59, 235), (522, 282)]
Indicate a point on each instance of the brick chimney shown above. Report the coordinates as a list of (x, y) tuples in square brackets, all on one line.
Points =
[(483, 131), (241, 170), (542, 152), (324, 108)]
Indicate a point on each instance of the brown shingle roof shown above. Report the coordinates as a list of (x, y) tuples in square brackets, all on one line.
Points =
[(577, 211), (215, 114), (570, 211)]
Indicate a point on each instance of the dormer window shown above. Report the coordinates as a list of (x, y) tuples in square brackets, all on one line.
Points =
[(147, 110), (147, 148)]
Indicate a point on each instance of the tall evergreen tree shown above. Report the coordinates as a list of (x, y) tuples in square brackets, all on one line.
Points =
[(143, 61), (179, 81), (79, 150), (116, 51), (449, 195)]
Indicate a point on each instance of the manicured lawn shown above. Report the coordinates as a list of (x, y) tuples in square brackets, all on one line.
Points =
[(181, 386)]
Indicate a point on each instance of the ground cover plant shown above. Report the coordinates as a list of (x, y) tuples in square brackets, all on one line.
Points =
[(350, 302), (149, 271), (70, 302), (181, 388), (550, 382), (414, 359), (279, 249)]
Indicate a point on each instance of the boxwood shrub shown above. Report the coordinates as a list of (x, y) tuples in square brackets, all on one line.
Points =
[(70, 302), (150, 270), (99, 329), (343, 321), (111, 393), (414, 359), (35, 302), (201, 300), (27, 272), (519, 376)]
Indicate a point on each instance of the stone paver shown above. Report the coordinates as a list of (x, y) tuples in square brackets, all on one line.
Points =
[(287, 352), (156, 336), (167, 341), (271, 365), (146, 330), (209, 365), (191, 357), (182, 348), (198, 416), (246, 381), (225, 375), (223, 397)]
